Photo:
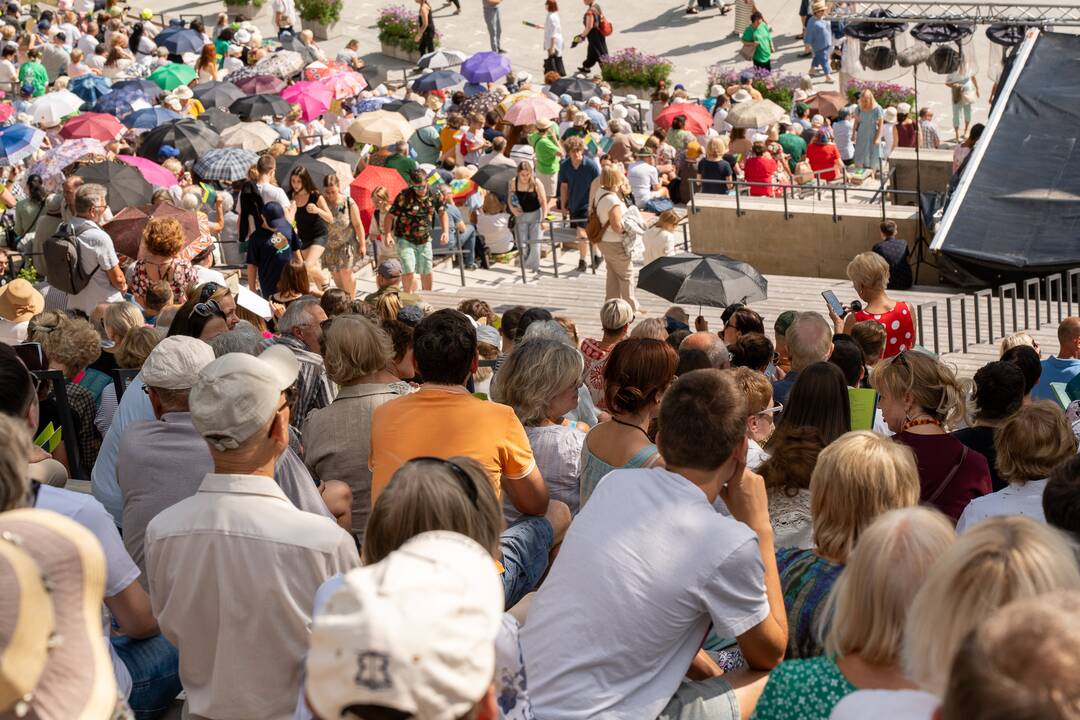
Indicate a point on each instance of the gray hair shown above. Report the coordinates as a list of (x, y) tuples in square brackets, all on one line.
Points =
[(537, 371), (190, 201), (547, 330), (650, 328), (244, 338), (718, 354), (89, 196), (296, 314)]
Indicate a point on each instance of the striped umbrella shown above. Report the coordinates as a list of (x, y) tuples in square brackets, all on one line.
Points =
[(18, 142), (99, 126), (90, 88), (314, 98), (440, 60), (227, 164)]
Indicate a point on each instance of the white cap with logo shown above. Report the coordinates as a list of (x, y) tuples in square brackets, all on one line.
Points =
[(175, 363), (235, 395), (414, 632)]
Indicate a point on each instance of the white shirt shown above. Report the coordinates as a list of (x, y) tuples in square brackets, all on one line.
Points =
[(553, 31), (120, 569), (642, 177), (1016, 499), (892, 704), (13, 333), (493, 228), (645, 568), (288, 8), (658, 243), (243, 628), (604, 205), (87, 43), (8, 73)]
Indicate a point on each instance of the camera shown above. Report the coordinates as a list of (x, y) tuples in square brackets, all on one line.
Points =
[(855, 306)]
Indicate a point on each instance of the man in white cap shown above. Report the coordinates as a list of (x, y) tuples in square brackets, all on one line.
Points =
[(412, 635), (234, 569)]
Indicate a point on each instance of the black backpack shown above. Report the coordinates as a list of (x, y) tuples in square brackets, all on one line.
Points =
[(63, 261)]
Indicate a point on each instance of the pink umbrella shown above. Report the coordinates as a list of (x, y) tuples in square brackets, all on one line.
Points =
[(150, 170), (314, 98), (345, 85), (321, 71), (528, 110)]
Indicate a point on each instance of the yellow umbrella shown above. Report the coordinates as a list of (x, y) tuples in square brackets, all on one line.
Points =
[(380, 128), (509, 100), (253, 136)]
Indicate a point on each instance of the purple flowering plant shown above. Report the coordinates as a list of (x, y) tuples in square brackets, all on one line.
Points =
[(886, 93), (634, 67), (773, 85), (398, 26)]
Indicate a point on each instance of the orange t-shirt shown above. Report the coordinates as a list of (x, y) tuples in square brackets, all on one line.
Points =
[(443, 423), (449, 138)]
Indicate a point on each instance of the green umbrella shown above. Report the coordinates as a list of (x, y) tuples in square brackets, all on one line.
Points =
[(171, 76)]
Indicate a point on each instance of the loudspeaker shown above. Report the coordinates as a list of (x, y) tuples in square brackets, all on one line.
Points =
[(913, 55)]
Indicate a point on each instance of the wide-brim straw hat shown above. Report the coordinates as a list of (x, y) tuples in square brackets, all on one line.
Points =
[(26, 624), (19, 301)]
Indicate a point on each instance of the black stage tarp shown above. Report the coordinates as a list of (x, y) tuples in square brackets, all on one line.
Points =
[(1016, 209)]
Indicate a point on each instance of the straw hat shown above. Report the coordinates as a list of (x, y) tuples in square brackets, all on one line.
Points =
[(19, 301), (741, 95), (890, 114), (77, 680), (26, 622)]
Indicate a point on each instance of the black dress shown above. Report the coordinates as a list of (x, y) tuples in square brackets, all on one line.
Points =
[(597, 41), (310, 228), (427, 40)]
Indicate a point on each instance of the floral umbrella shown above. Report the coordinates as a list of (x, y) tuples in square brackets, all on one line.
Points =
[(256, 84), (52, 164), (321, 70), (345, 85), (510, 100), (283, 64), (480, 103), (371, 104), (314, 98)]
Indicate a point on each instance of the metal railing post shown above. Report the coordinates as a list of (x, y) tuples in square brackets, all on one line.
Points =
[(738, 203), (1010, 288), (835, 218), (934, 316), (787, 215), (1051, 282), (1037, 283), (988, 294), (693, 184), (1070, 285), (963, 321)]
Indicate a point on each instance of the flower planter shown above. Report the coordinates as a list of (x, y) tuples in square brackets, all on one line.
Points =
[(400, 53), (320, 31), (249, 11)]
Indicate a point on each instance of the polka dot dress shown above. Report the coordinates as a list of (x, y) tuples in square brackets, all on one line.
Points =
[(899, 328)]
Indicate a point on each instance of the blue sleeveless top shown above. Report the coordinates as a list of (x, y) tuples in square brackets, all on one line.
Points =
[(593, 468)]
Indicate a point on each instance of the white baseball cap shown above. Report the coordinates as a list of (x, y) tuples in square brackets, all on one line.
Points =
[(175, 363), (414, 632), (235, 395)]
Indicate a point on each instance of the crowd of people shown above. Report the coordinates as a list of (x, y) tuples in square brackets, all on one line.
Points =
[(232, 479)]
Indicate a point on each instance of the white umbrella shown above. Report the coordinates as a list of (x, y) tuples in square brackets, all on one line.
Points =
[(441, 59), (253, 136), (756, 114), (381, 128), (51, 108)]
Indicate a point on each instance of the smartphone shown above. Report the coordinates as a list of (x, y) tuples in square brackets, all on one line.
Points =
[(32, 356), (834, 303)]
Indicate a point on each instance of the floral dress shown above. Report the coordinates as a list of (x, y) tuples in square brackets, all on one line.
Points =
[(340, 238), (180, 274), (803, 690)]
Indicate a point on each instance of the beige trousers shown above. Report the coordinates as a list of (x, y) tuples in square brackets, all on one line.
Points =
[(620, 273)]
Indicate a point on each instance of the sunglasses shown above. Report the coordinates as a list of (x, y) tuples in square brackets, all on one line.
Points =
[(774, 410), (206, 309), (463, 478), (209, 290)]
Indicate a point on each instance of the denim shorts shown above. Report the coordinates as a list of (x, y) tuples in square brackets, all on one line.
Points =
[(525, 546)]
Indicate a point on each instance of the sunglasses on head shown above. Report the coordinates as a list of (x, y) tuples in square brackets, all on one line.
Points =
[(463, 478), (206, 309), (209, 290)]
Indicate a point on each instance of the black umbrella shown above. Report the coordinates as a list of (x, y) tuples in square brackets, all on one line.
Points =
[(292, 42), (191, 137), (437, 80), (218, 94), (286, 163), (125, 184), (219, 119), (408, 109), (712, 280), (577, 88), (253, 107), (334, 152), (494, 179)]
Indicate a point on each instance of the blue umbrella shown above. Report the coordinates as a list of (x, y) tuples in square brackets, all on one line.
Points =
[(370, 104), (90, 88), (150, 118), (437, 81), (150, 89), (179, 40), (18, 142), (121, 102), (486, 67)]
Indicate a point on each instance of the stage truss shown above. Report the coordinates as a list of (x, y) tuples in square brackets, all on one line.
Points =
[(1043, 16)]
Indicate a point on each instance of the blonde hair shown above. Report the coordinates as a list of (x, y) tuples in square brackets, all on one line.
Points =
[(354, 346), (120, 318), (994, 563), (492, 204), (388, 306), (755, 387), (14, 458), (866, 99), (137, 346), (932, 384), (535, 372), (1033, 441), (867, 607), (716, 148), (430, 494), (612, 178), (1015, 340), (857, 478), (868, 270)]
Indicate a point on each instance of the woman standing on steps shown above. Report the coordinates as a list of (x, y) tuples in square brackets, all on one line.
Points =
[(425, 34)]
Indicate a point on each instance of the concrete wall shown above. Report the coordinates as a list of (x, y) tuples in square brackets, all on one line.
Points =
[(936, 166), (808, 243)]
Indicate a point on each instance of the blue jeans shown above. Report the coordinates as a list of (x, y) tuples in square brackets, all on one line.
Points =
[(821, 60), (525, 546), (154, 665), (527, 235), (467, 240)]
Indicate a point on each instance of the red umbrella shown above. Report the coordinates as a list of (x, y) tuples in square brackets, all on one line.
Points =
[(99, 126), (257, 84), (698, 119), (372, 177)]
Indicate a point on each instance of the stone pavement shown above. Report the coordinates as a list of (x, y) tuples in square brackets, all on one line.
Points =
[(661, 27)]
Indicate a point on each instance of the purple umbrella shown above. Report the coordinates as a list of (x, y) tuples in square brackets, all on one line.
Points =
[(485, 67)]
